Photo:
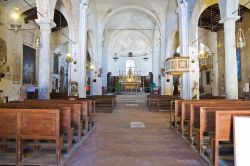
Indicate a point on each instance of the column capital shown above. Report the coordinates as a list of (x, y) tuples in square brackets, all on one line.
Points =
[(182, 8), (84, 2), (46, 24), (229, 18)]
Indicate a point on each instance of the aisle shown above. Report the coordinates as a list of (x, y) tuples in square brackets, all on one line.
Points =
[(113, 143)]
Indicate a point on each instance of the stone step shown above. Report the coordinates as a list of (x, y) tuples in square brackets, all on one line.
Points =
[(131, 99)]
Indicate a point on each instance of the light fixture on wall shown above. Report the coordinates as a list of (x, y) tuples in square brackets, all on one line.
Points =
[(15, 23), (68, 58)]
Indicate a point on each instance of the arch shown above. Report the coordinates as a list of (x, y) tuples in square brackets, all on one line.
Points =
[(136, 8)]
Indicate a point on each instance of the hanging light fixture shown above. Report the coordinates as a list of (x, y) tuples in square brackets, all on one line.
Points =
[(68, 58), (15, 23), (92, 67), (241, 42), (115, 57), (146, 58)]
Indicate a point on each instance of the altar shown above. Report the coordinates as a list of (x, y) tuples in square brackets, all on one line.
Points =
[(130, 85), (130, 81)]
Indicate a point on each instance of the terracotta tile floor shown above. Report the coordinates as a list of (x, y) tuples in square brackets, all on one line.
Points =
[(113, 143)]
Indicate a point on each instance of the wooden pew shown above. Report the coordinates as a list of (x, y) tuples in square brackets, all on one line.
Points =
[(160, 101), (224, 128), (8, 123), (32, 124), (84, 110), (185, 109), (104, 101), (207, 120), (87, 108), (65, 117), (76, 113), (177, 113), (196, 114)]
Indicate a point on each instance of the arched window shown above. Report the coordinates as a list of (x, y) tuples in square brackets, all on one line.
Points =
[(130, 64)]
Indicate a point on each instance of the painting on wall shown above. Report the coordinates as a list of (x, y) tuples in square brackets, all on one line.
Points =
[(29, 65), (16, 69), (56, 63), (238, 63)]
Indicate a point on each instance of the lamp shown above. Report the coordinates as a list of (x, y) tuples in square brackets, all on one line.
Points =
[(241, 42), (146, 58), (92, 67), (15, 23), (68, 58)]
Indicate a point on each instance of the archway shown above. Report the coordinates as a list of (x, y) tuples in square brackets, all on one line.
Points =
[(135, 37)]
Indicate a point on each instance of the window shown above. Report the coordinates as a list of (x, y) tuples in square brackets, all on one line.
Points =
[(130, 64)]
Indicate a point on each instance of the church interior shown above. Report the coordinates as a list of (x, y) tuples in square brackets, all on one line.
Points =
[(124, 82)]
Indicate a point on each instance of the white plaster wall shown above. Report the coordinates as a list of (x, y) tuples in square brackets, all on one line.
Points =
[(120, 65)]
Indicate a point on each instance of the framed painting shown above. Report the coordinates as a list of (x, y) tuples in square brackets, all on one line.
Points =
[(73, 88), (29, 65)]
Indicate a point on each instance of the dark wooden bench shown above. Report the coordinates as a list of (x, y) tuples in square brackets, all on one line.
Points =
[(157, 102), (31, 124), (104, 101)]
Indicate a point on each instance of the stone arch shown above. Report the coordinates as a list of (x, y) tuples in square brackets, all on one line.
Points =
[(64, 8), (199, 7), (136, 8)]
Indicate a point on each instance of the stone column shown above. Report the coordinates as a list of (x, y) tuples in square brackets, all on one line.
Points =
[(231, 77), (183, 31), (44, 60), (156, 58), (162, 64), (82, 50)]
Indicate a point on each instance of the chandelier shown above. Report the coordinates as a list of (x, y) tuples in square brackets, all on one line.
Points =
[(203, 55), (115, 57), (15, 23), (131, 55)]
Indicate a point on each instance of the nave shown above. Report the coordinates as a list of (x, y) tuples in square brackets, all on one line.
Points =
[(114, 143)]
